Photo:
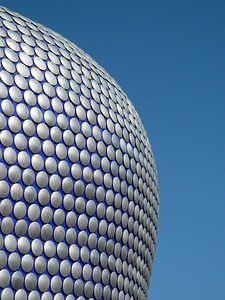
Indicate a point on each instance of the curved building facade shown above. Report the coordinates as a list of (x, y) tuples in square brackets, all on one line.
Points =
[(79, 199)]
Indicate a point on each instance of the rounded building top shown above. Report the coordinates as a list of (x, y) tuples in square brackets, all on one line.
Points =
[(78, 181)]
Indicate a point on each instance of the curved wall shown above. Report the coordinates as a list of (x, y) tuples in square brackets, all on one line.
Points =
[(78, 182)]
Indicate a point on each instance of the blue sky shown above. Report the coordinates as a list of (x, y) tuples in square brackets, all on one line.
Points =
[(169, 57)]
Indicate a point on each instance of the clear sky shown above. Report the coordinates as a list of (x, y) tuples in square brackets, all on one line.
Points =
[(169, 58)]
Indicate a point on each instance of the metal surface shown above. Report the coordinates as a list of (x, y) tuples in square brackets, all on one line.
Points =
[(79, 199)]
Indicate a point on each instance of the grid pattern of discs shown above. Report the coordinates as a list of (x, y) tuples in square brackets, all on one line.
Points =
[(78, 182)]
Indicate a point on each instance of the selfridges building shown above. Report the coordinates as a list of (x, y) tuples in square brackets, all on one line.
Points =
[(78, 183)]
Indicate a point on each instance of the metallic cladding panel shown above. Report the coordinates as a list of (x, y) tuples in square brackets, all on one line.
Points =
[(78, 183)]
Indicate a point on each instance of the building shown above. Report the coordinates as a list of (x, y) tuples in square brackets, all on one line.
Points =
[(78, 182)]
